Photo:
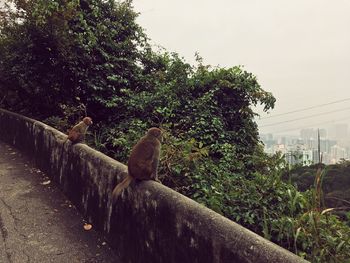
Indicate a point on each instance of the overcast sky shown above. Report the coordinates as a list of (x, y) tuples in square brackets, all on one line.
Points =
[(299, 50)]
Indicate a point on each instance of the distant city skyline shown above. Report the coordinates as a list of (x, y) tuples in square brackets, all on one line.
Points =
[(336, 111), (339, 131), (303, 148)]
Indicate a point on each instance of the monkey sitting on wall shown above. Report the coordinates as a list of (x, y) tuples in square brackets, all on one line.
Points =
[(78, 132), (143, 160)]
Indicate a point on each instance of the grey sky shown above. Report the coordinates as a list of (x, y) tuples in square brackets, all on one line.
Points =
[(298, 49)]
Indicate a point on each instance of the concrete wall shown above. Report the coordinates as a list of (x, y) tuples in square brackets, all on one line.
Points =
[(150, 222)]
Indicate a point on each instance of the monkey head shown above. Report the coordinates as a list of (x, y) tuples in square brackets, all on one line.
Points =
[(87, 121), (155, 132)]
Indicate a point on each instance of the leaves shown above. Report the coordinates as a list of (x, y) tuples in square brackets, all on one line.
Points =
[(61, 60)]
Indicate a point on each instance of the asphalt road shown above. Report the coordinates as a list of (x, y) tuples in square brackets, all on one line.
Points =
[(37, 223)]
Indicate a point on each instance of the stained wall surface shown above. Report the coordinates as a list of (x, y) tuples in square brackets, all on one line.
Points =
[(149, 222)]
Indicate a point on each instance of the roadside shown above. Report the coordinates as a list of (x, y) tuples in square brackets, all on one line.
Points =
[(37, 222)]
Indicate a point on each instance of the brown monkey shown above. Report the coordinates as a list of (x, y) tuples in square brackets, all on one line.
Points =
[(143, 160), (78, 132)]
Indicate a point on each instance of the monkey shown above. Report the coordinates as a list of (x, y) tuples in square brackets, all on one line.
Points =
[(78, 132), (143, 160)]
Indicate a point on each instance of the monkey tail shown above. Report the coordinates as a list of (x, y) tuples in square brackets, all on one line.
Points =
[(121, 186)]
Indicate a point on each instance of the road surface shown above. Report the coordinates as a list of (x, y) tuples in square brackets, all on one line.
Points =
[(37, 223)]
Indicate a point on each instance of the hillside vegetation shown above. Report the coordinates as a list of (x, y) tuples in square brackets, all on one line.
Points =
[(61, 59), (335, 184)]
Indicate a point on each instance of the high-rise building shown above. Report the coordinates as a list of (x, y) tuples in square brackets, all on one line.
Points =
[(339, 131), (283, 140), (307, 134), (337, 153), (269, 136), (298, 156), (326, 145), (323, 133)]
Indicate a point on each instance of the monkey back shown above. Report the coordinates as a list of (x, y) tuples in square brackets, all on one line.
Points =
[(142, 158)]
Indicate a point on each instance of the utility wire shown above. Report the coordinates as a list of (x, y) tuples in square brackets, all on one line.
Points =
[(306, 117), (304, 109), (311, 125)]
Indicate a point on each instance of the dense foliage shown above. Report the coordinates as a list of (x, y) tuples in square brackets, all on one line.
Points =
[(335, 185), (61, 59)]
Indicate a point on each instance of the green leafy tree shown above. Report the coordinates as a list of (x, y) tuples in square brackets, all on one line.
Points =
[(61, 59), (71, 52)]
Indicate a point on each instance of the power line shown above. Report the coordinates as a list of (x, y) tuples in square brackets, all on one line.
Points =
[(311, 125), (304, 109), (306, 117)]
